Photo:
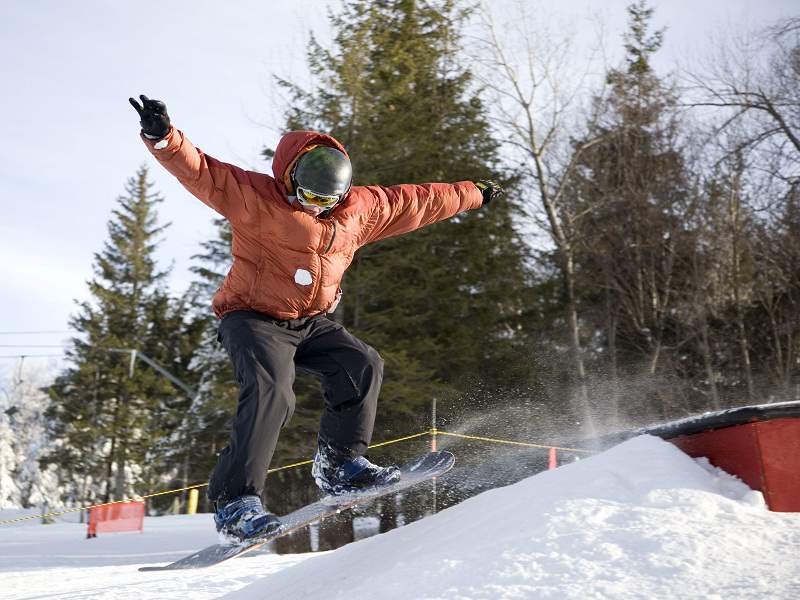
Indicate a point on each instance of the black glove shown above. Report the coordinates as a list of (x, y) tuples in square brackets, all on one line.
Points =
[(489, 189), (153, 117)]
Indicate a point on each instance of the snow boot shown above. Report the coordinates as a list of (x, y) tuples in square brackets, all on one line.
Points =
[(245, 518), (336, 473)]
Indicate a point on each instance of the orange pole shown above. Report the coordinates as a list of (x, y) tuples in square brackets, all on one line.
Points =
[(553, 462)]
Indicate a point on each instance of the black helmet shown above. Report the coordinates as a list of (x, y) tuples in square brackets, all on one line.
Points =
[(323, 170)]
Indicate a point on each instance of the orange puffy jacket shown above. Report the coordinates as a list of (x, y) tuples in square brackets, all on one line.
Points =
[(286, 263)]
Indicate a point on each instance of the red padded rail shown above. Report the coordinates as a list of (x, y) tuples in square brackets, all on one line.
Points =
[(763, 454)]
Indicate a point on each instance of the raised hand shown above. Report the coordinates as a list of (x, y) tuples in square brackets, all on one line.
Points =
[(489, 189), (153, 117)]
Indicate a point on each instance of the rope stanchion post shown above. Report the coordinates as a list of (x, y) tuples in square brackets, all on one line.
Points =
[(433, 424), (434, 489), (191, 505)]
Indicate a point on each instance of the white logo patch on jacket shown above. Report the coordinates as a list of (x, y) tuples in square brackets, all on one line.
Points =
[(302, 277)]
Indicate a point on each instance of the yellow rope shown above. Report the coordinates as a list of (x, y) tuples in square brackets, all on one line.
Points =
[(80, 508), (308, 462), (291, 466), (499, 441), (183, 489), (432, 432), (402, 439), (62, 512)]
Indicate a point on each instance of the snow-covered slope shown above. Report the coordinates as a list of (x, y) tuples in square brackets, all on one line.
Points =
[(641, 520), (56, 561)]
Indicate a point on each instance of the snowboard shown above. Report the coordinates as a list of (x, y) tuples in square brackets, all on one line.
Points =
[(427, 466)]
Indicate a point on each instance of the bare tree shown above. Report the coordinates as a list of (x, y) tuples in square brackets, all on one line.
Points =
[(722, 276), (755, 82), (737, 222), (633, 185), (777, 285), (536, 102), (751, 86)]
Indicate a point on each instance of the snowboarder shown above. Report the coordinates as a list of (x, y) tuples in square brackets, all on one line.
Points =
[(294, 235)]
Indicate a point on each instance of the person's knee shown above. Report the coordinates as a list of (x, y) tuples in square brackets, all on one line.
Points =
[(275, 393), (289, 404), (371, 374), (374, 360)]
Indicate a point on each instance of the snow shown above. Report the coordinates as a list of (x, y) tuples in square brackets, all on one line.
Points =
[(56, 561), (24, 440), (642, 520)]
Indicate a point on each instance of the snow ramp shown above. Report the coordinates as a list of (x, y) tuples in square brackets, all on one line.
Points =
[(641, 520)]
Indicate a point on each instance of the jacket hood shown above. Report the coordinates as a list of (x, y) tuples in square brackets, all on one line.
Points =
[(291, 147)]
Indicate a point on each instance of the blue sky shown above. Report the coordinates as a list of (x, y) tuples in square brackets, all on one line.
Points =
[(70, 140)]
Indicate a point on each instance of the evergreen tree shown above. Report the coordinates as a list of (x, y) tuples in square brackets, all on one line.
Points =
[(9, 492), (112, 415), (444, 305), (634, 185), (26, 402)]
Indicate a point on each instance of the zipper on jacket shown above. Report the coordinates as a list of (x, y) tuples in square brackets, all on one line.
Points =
[(317, 281), (333, 237), (254, 286)]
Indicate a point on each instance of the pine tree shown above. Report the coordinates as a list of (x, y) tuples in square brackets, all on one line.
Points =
[(634, 185), (112, 415), (444, 305), (9, 492), (26, 400)]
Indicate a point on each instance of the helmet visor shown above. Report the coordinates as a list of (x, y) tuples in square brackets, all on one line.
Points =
[(309, 198)]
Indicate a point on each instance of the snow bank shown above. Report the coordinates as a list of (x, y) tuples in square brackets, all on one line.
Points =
[(642, 520), (27, 545), (56, 561)]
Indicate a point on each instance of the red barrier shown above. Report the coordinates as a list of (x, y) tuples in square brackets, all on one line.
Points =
[(110, 518)]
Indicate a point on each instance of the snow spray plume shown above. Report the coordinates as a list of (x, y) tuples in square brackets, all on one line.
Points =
[(552, 410), (505, 414)]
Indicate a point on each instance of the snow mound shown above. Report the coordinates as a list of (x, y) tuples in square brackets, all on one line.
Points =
[(642, 520)]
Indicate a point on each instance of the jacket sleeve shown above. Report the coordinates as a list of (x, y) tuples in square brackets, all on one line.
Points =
[(217, 184), (402, 208)]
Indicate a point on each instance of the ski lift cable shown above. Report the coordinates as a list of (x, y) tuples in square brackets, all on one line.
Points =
[(31, 332), (34, 345), (31, 355)]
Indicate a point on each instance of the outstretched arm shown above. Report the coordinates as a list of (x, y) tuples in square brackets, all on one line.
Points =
[(402, 208), (218, 184)]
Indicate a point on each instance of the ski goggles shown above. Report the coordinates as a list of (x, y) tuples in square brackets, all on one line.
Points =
[(309, 198)]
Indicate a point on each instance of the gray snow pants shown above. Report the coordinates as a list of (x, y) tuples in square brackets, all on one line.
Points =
[(264, 352)]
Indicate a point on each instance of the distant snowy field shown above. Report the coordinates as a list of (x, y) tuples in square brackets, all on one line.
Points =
[(641, 520)]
